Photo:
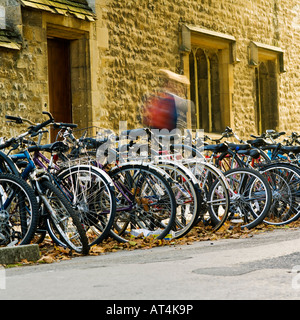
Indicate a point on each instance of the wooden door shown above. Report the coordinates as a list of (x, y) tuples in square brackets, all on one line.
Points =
[(59, 75)]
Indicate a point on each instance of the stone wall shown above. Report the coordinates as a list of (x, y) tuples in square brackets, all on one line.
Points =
[(23, 78), (144, 36), (24, 72)]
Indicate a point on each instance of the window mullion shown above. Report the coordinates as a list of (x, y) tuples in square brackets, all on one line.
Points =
[(196, 88), (209, 93)]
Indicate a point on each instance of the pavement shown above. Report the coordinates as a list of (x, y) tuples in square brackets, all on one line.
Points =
[(263, 267)]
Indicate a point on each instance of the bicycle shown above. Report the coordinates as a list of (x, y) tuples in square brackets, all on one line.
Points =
[(55, 213), (282, 177), (89, 190), (204, 174), (216, 190), (135, 209), (189, 199), (18, 211)]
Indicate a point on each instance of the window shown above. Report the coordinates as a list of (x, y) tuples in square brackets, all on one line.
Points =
[(268, 63), (8, 38), (209, 64), (205, 89)]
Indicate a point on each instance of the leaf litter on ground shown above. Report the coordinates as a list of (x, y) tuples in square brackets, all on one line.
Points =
[(50, 253)]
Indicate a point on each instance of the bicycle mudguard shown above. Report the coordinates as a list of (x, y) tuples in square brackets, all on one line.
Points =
[(88, 167)]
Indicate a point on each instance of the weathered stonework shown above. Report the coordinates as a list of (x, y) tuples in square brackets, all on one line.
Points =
[(145, 36)]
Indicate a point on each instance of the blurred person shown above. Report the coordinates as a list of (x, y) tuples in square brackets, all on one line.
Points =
[(167, 108)]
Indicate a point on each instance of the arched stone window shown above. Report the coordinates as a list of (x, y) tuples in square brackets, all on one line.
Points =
[(209, 63), (268, 63), (268, 96), (205, 89)]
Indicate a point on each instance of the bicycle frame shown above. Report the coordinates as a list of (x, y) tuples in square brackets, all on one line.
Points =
[(41, 161), (24, 156)]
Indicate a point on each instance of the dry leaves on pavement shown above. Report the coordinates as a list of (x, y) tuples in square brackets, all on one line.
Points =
[(51, 253)]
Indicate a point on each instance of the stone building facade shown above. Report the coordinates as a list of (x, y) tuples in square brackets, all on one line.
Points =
[(92, 61)]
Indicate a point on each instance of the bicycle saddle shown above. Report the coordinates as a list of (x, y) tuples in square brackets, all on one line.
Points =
[(259, 142), (253, 153), (237, 147), (221, 147), (290, 149)]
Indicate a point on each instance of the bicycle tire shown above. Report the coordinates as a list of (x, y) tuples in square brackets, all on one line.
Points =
[(92, 194), (250, 197), (188, 195), (19, 211), (138, 210), (63, 224), (284, 179), (206, 175)]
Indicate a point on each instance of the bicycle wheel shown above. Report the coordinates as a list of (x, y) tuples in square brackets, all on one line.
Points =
[(284, 180), (145, 202), (250, 198), (91, 192), (188, 196), (216, 201), (63, 224), (19, 211)]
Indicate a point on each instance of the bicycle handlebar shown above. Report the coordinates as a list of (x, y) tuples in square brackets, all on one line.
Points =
[(6, 144), (269, 134), (32, 130), (228, 133), (34, 127), (294, 136), (43, 124)]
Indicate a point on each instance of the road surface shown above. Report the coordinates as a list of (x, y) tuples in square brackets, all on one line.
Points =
[(264, 266)]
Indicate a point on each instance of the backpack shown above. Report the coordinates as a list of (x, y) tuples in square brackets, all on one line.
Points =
[(159, 112)]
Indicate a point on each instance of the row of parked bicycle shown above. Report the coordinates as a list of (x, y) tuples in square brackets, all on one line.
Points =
[(81, 190)]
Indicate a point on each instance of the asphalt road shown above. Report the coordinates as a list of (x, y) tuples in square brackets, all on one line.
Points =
[(263, 267)]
